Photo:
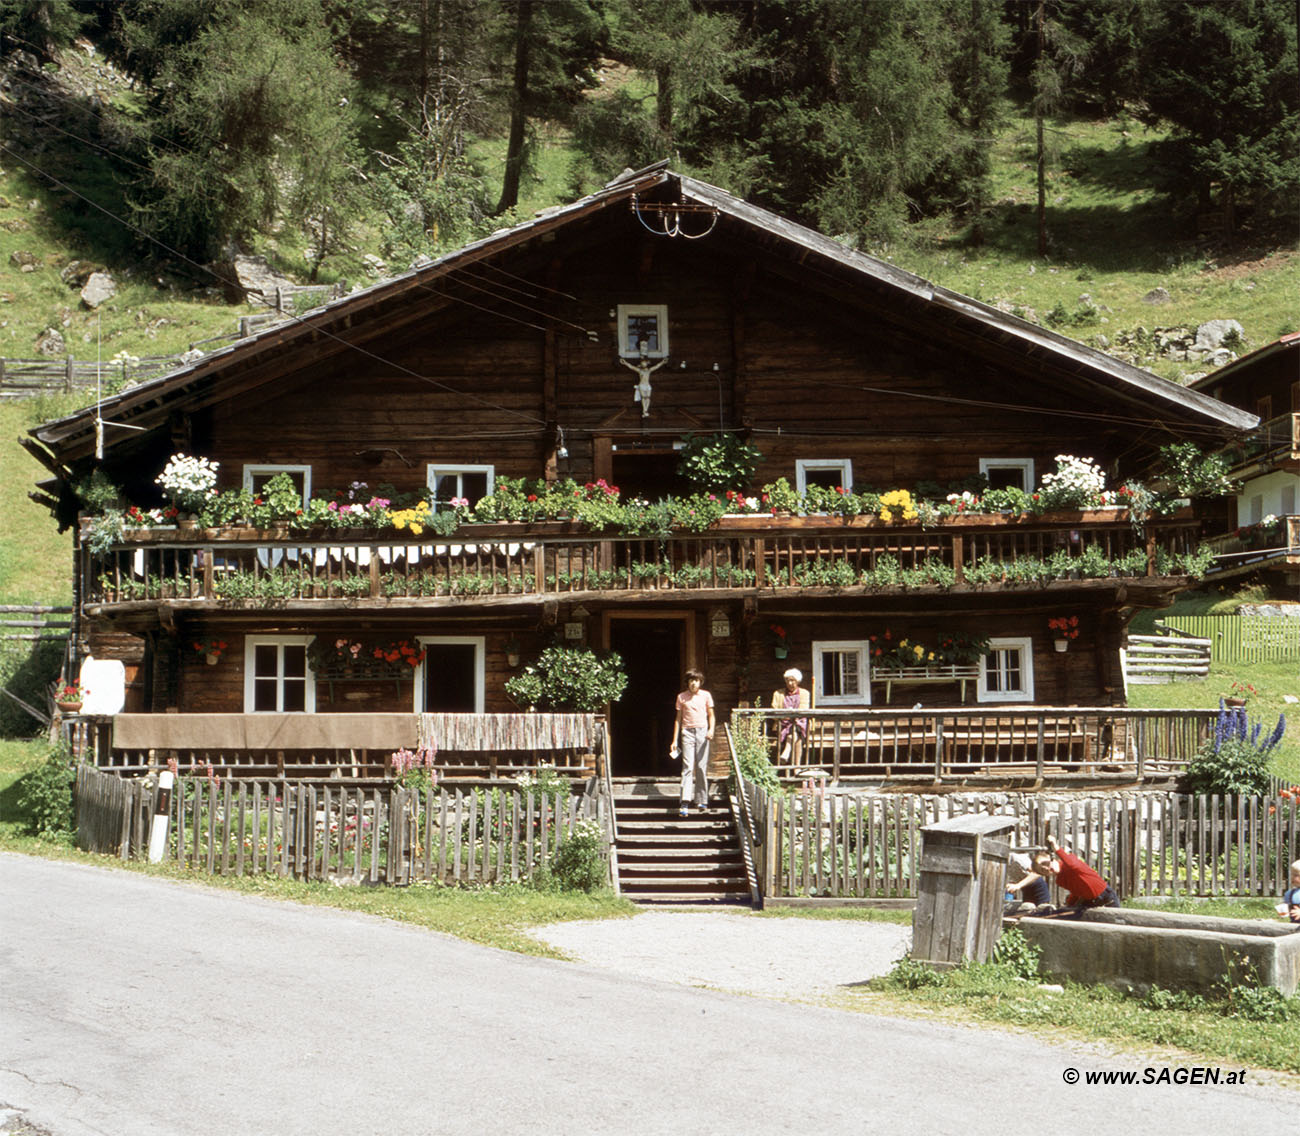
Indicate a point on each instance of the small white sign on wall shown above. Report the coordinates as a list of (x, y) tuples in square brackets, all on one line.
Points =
[(573, 630)]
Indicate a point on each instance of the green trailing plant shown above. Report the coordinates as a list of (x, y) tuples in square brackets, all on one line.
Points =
[(780, 496), (569, 678), (104, 531), (750, 747), (1192, 474), (97, 493), (716, 463)]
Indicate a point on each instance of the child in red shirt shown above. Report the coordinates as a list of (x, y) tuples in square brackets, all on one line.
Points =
[(1084, 887)]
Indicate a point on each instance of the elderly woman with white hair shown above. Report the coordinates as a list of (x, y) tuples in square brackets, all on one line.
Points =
[(794, 731)]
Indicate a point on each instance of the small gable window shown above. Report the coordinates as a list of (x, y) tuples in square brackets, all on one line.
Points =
[(829, 473), (643, 324), (448, 483), (256, 477), (1008, 473)]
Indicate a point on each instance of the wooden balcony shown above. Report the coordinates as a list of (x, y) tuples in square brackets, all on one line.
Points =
[(526, 564), (1250, 550)]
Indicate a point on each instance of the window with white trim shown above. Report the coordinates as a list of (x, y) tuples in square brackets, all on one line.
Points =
[(1007, 671), (830, 473), (451, 676), (643, 323), (469, 482), (277, 676), (841, 674), (256, 477), (1009, 473)]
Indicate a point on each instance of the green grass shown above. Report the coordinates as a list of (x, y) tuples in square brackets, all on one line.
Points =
[(1272, 681), (1224, 1032), (1113, 237)]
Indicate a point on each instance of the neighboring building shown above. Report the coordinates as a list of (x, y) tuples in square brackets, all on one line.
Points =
[(1262, 536), (588, 343)]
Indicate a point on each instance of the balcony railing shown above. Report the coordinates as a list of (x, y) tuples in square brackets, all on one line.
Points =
[(1026, 744), (528, 561), (1249, 547), (1271, 444)]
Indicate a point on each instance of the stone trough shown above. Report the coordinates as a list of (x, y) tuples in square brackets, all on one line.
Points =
[(1131, 949)]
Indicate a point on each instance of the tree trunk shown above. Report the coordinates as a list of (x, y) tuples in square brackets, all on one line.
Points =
[(664, 109), (518, 111)]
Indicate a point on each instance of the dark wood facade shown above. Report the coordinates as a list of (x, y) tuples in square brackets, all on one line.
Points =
[(506, 355)]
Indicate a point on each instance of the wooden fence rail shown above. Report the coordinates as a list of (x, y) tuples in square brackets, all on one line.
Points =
[(391, 836), (825, 844), (1166, 658)]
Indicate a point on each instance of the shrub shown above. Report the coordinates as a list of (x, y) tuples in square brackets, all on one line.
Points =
[(751, 751), (45, 797), (1017, 955), (579, 863)]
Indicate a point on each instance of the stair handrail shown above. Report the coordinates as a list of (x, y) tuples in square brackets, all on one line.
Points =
[(744, 821), (604, 759)]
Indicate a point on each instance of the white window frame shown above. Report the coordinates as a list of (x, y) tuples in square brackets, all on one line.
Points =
[(844, 646), (1025, 465), (1025, 645), (435, 470), (251, 642), (479, 643), (630, 350), (251, 471), (804, 466)]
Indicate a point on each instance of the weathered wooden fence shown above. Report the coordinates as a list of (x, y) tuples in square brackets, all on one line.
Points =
[(827, 844), (1242, 638), (392, 836)]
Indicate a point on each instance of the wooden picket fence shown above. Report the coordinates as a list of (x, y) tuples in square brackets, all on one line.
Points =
[(1242, 638), (315, 832), (844, 845)]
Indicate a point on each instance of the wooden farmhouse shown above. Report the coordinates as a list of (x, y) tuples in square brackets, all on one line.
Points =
[(1262, 536), (591, 343)]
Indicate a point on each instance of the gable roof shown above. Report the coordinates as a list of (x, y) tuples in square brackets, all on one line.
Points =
[(1230, 372), (148, 404)]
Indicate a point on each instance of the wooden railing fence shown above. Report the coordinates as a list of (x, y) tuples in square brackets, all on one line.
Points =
[(1171, 657), (817, 843), (1242, 638), (33, 622), (388, 836)]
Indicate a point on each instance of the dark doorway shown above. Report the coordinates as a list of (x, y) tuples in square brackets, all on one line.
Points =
[(641, 722), (646, 470), (449, 678)]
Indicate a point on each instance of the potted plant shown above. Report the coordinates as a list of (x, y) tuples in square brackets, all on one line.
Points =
[(569, 678), (1064, 628), (70, 698), (1238, 693), (210, 648), (780, 644), (718, 462), (191, 482)]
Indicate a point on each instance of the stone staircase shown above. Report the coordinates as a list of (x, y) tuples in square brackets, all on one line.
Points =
[(665, 858)]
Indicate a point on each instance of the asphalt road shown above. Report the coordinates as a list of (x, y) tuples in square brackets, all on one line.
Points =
[(135, 1006)]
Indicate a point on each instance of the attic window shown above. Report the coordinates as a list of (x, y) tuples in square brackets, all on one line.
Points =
[(643, 323), (470, 482), (256, 477), (829, 473), (1008, 473)]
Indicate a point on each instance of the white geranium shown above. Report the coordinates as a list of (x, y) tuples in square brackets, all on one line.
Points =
[(189, 480), (1076, 484)]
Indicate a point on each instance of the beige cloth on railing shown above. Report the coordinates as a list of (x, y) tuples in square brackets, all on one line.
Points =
[(264, 731), (487, 732)]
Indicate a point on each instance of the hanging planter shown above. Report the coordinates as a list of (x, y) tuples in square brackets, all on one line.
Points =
[(1061, 644), (780, 652)]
